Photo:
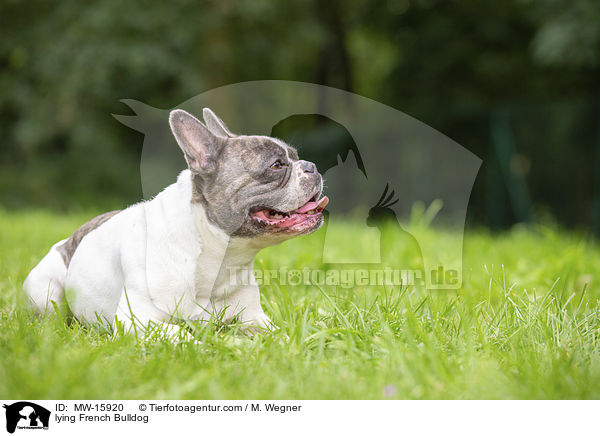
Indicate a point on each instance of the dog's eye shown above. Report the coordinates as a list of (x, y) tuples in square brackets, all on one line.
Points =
[(277, 165)]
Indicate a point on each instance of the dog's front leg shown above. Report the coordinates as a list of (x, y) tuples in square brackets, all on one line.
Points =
[(139, 317), (245, 305), (258, 321), (154, 331)]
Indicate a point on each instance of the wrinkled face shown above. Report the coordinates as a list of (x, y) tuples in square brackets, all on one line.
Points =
[(262, 187), (253, 186)]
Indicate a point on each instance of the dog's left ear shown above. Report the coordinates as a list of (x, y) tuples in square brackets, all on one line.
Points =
[(216, 124), (196, 141)]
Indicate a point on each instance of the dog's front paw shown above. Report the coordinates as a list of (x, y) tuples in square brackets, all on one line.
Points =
[(259, 323)]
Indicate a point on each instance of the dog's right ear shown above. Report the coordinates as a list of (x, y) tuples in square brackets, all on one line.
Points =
[(216, 124), (198, 144)]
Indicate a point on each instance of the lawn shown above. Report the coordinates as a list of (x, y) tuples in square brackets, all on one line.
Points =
[(524, 325)]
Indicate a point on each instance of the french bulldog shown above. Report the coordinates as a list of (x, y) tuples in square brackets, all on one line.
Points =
[(188, 253)]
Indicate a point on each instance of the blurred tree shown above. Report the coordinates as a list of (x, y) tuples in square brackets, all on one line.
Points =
[(65, 66), (568, 32)]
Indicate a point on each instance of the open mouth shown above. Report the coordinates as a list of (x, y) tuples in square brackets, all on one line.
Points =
[(303, 218)]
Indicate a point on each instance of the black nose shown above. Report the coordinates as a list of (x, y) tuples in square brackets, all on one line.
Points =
[(308, 167)]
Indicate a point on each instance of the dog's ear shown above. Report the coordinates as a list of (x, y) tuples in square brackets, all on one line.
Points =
[(216, 124), (196, 141)]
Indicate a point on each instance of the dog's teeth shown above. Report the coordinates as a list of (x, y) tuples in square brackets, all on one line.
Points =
[(277, 216)]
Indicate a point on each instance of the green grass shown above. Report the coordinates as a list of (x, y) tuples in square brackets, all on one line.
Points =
[(524, 325)]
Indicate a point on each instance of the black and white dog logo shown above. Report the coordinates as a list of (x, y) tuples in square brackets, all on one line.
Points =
[(26, 415)]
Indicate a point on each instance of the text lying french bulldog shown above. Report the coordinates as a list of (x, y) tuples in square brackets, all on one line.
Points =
[(170, 259)]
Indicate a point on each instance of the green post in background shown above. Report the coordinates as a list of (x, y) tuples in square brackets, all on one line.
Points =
[(503, 152)]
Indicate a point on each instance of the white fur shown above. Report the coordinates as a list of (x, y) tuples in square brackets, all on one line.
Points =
[(45, 282), (158, 261)]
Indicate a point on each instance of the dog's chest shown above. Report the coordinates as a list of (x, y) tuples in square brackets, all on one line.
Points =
[(188, 261), (187, 275)]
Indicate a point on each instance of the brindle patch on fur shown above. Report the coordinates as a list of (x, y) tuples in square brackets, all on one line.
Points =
[(67, 249), (197, 196)]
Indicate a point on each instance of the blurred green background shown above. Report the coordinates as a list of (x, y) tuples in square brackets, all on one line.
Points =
[(514, 81)]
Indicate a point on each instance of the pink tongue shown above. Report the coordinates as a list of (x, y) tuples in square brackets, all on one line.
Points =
[(313, 205)]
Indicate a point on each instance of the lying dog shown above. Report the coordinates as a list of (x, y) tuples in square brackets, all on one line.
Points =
[(171, 258)]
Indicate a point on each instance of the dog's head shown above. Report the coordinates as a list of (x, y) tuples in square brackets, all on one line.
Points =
[(249, 186)]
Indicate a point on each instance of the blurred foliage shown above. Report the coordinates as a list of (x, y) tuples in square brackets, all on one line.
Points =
[(65, 66)]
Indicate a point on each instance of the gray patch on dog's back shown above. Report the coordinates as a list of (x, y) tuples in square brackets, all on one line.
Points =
[(67, 249)]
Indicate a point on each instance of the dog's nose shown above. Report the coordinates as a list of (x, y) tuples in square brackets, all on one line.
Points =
[(308, 167)]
